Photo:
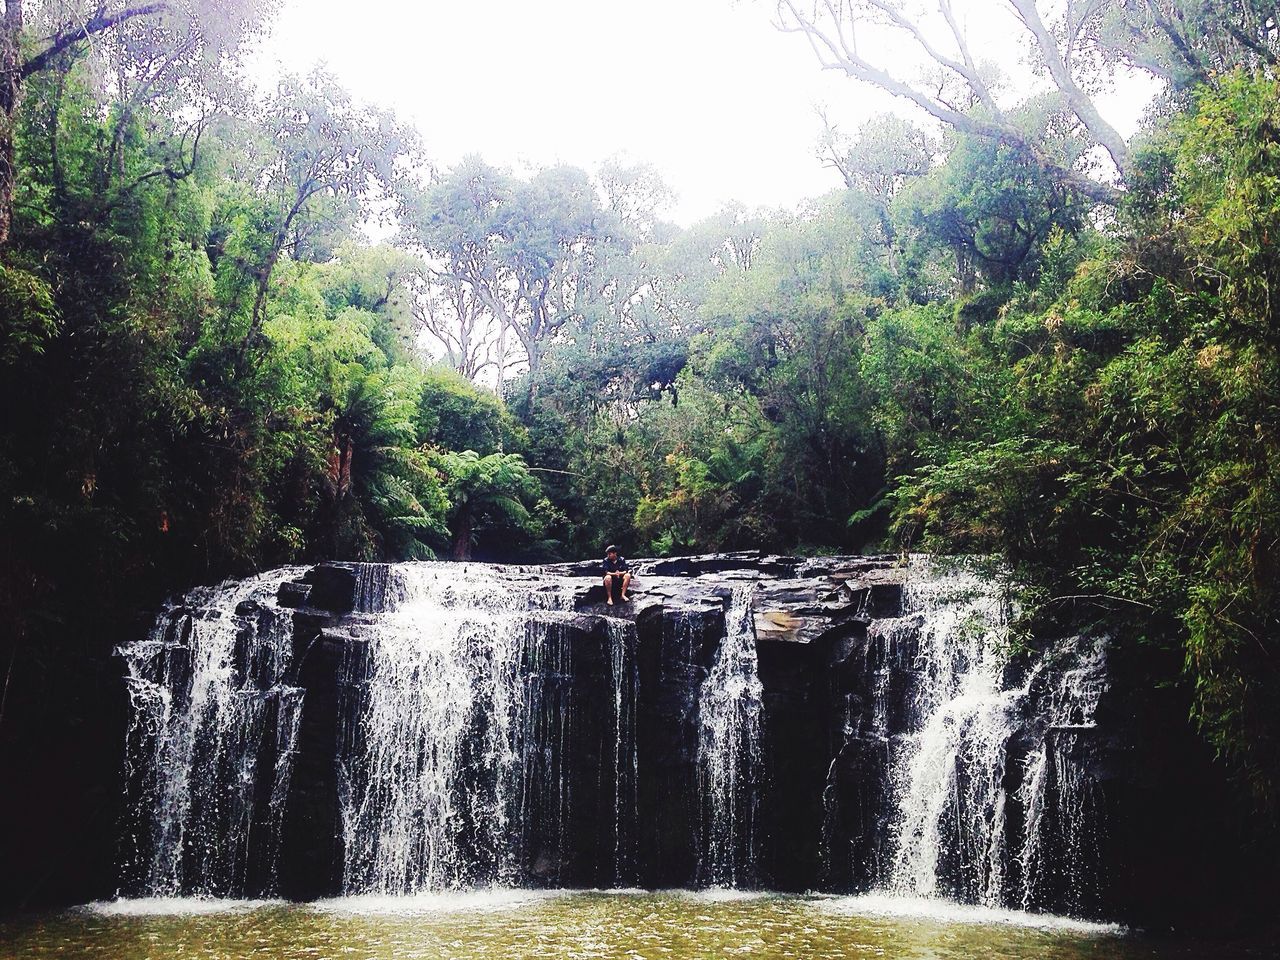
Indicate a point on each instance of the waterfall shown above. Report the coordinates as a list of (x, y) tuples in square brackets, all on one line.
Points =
[(946, 779), (471, 725), (211, 734), (1062, 807), (626, 773), (730, 702), (968, 819), (455, 732)]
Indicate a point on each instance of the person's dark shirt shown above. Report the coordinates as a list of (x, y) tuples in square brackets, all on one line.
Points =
[(616, 564)]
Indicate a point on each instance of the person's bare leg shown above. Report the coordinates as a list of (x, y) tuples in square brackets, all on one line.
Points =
[(608, 589), (626, 582)]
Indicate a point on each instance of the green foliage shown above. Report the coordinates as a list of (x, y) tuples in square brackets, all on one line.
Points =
[(384, 496), (991, 207), (200, 375), (455, 414), (203, 374), (31, 314), (755, 431), (492, 497), (1133, 455)]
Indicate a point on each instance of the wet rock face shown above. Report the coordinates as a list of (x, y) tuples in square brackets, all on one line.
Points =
[(802, 610), (606, 736)]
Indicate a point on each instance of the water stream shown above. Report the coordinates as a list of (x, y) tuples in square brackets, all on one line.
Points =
[(730, 702), (623, 672), (951, 826), (212, 725)]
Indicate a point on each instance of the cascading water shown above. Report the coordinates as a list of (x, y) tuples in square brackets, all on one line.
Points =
[(211, 733), (469, 728), (1065, 823), (953, 773), (730, 702), (626, 773), (946, 778), (453, 744)]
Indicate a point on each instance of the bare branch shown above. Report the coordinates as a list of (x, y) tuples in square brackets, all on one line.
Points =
[(835, 52), (71, 34), (1081, 104), (970, 71)]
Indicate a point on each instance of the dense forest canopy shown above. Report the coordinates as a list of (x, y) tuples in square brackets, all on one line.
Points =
[(1014, 331)]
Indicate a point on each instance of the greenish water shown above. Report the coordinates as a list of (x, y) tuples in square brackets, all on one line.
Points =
[(625, 926)]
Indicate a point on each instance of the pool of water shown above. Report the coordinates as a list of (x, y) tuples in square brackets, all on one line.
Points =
[(621, 925)]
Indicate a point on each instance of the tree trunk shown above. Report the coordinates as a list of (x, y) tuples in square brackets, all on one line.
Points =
[(462, 536), (533, 350), (966, 272), (10, 98), (502, 354)]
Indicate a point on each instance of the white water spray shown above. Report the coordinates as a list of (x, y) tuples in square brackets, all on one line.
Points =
[(730, 703), (946, 777), (211, 725), (437, 788), (949, 774)]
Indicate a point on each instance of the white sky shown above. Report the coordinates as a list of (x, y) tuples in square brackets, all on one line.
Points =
[(707, 91)]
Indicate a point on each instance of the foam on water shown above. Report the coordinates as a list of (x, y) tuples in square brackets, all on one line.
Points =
[(615, 891), (174, 906), (947, 912), (721, 894), (487, 900)]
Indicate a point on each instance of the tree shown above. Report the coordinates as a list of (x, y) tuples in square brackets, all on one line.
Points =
[(786, 336), (991, 206), (455, 414), (1185, 43), (319, 144), (886, 155), (383, 498), (486, 492), (843, 34), (510, 260), (636, 195), (455, 316), (1113, 432), (154, 41)]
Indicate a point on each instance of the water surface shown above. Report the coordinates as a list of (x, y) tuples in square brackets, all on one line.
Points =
[(611, 926)]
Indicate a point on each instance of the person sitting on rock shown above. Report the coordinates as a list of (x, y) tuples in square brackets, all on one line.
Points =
[(615, 571)]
